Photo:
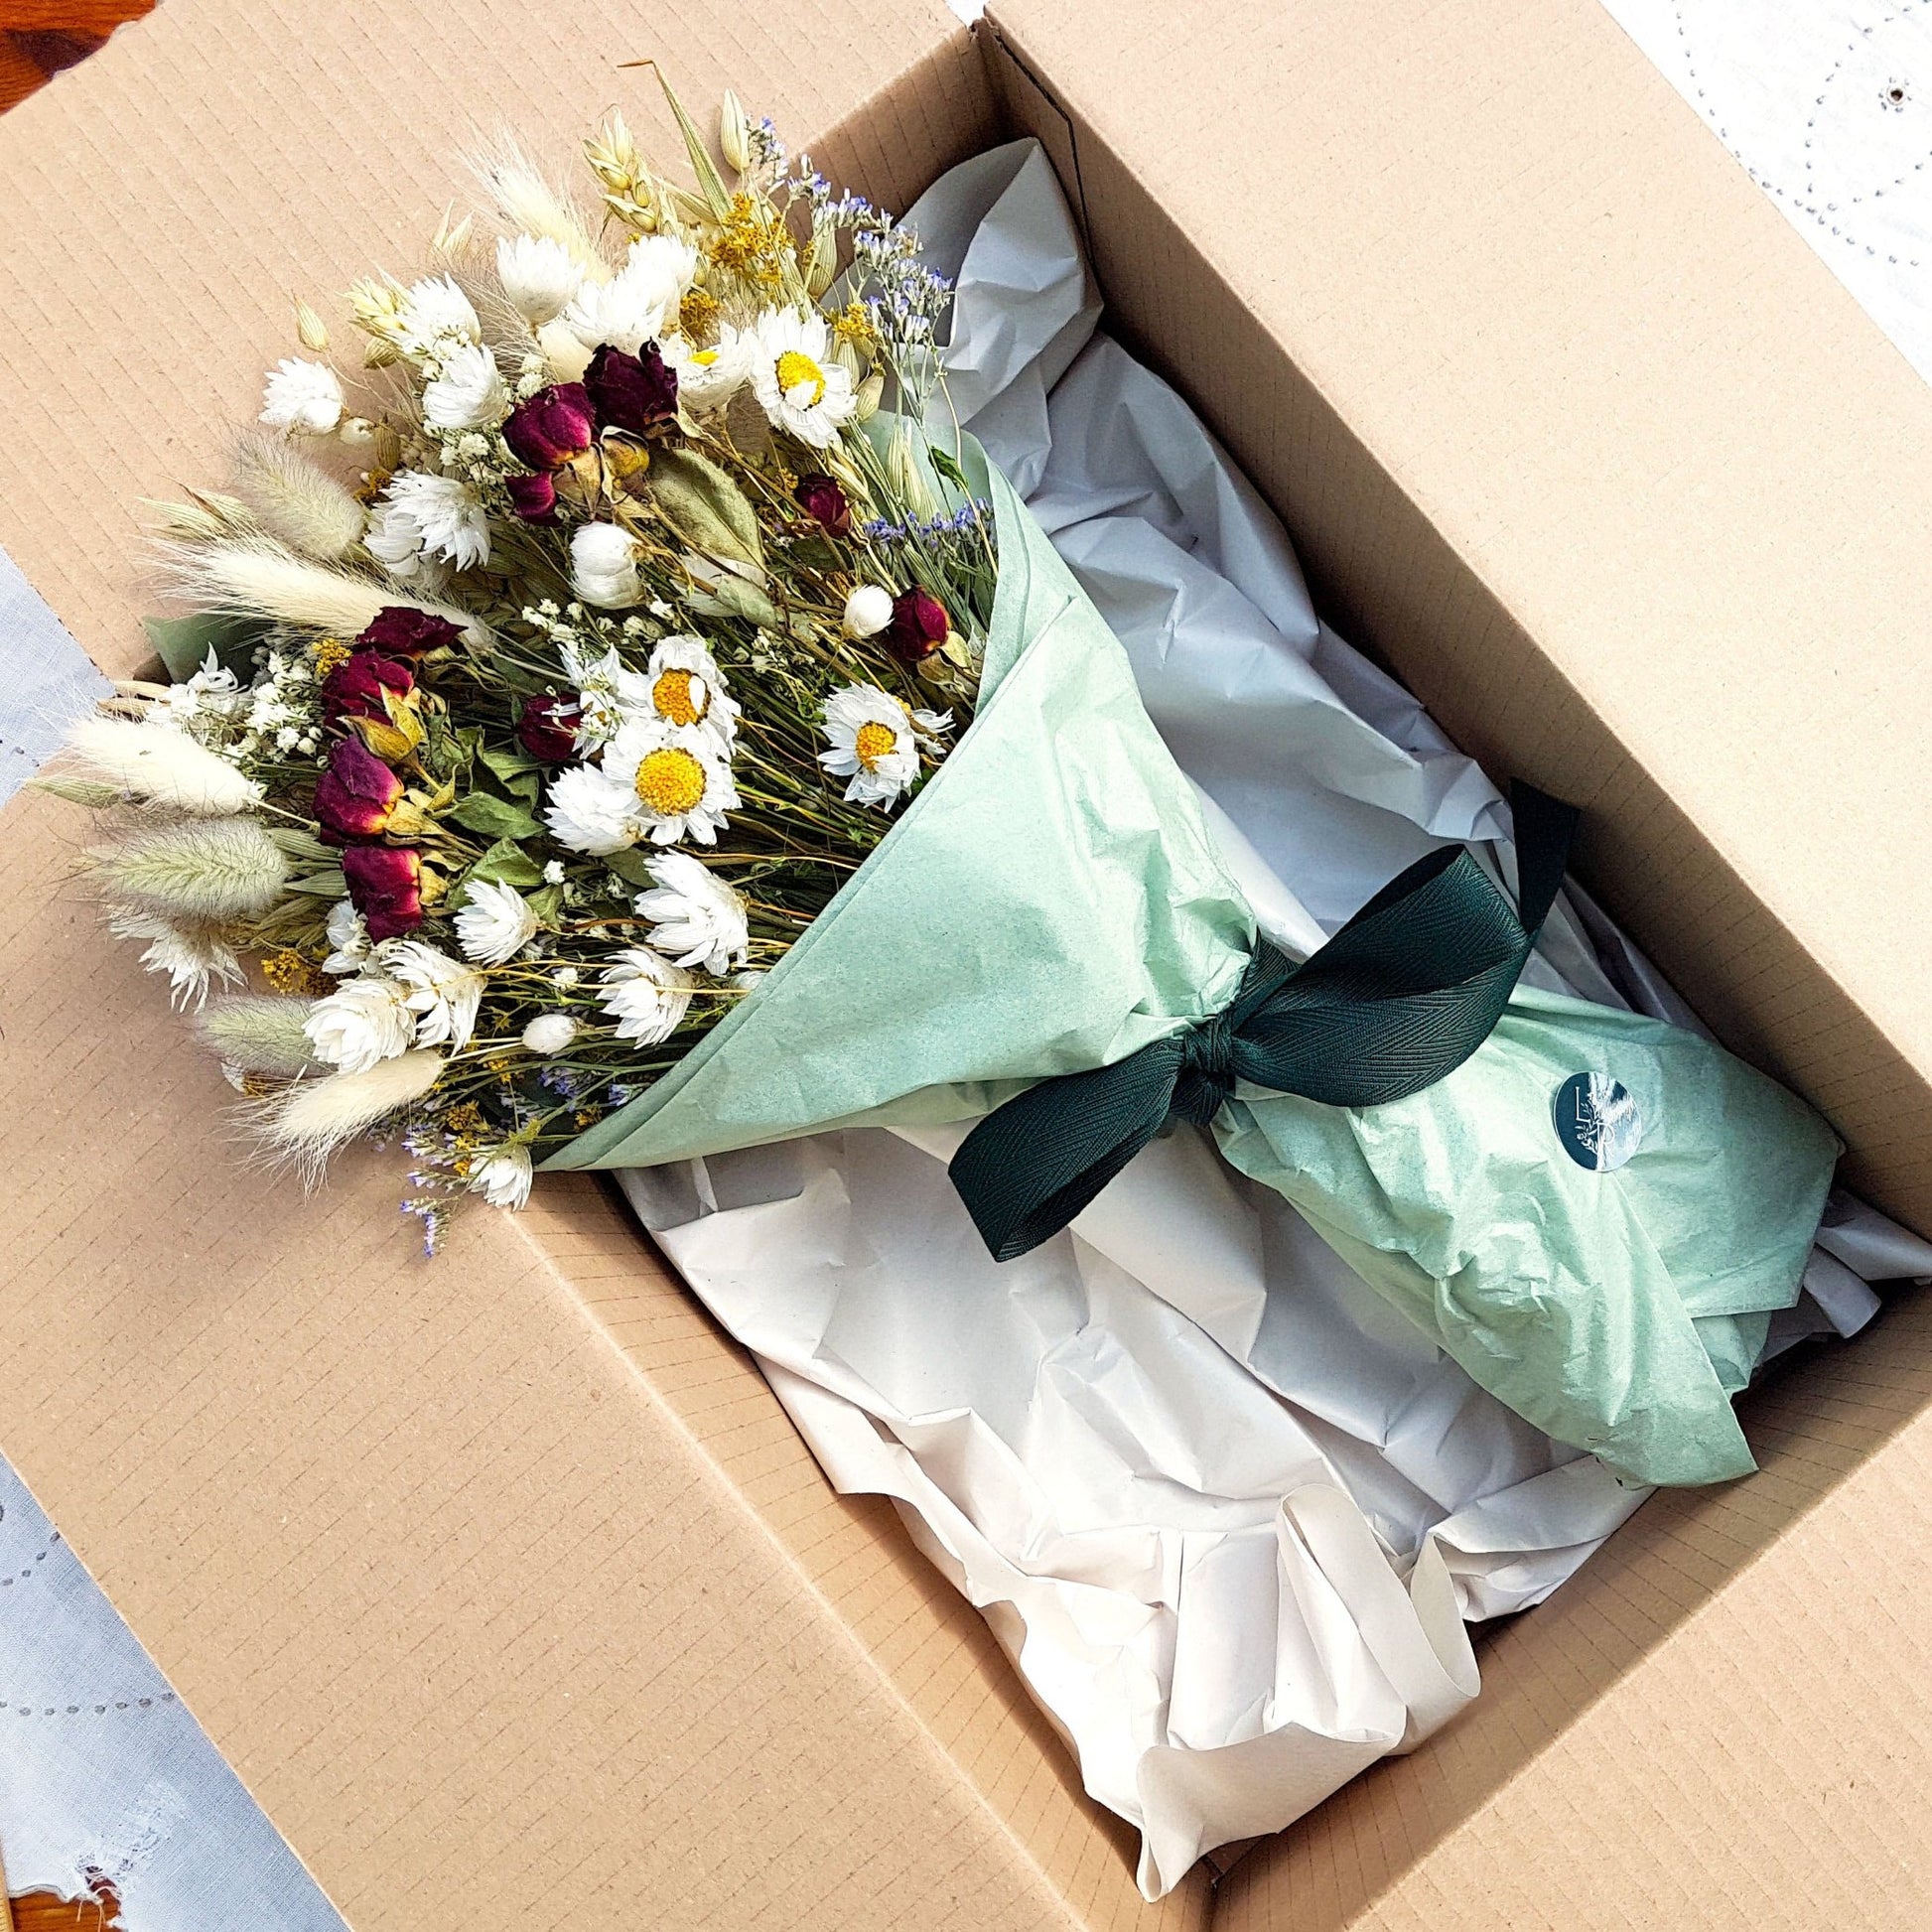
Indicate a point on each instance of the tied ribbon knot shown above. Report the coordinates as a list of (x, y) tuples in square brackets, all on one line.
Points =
[(1399, 997)]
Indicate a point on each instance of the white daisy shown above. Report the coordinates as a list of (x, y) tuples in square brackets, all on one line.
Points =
[(874, 741), (503, 1177), (646, 995), (697, 919), (421, 519), (349, 939), (604, 566), (365, 1020), (708, 378), (466, 391), (443, 993), (434, 314), (302, 398), (494, 924), (684, 686), (654, 781), (540, 276), (638, 303), (802, 390)]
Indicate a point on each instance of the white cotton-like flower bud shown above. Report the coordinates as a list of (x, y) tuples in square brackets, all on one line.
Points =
[(549, 1033), (868, 610), (357, 432), (540, 276), (159, 766), (302, 398), (202, 871), (604, 566)]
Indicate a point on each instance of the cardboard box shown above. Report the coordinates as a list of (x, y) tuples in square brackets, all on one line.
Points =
[(503, 1583)]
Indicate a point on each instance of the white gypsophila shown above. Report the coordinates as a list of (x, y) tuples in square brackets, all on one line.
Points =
[(604, 566), (874, 743), (422, 519), (444, 993), (540, 276), (802, 390), (503, 1179), (638, 303), (435, 314), (684, 686), (697, 919), (868, 610), (349, 939), (468, 390), (494, 924), (190, 956), (646, 995), (207, 704), (549, 1033), (365, 1020), (302, 398), (708, 378), (654, 780)]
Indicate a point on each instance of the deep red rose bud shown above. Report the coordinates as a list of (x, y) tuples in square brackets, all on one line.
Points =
[(385, 885), (825, 504), (354, 688), (919, 627), (533, 498), (550, 428), (404, 631), (547, 729), (632, 394), (357, 795)]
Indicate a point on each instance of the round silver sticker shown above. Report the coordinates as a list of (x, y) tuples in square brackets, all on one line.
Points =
[(1597, 1120)]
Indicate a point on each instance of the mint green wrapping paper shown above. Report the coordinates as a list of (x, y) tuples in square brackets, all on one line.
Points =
[(1052, 900)]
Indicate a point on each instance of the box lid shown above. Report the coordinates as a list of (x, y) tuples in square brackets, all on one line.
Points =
[(1575, 431), (505, 1583)]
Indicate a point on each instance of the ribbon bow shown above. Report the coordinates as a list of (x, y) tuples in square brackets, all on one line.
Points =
[(1400, 996)]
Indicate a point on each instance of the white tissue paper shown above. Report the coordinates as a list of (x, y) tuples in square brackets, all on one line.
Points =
[(1227, 1509)]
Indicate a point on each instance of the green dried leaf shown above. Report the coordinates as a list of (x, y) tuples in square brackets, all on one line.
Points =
[(495, 818), (706, 508)]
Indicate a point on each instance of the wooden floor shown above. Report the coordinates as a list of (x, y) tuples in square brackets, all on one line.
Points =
[(46, 1911), (37, 38)]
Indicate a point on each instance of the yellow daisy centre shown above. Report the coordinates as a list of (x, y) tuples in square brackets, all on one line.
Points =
[(670, 781), (704, 357), (677, 696), (874, 741), (795, 367)]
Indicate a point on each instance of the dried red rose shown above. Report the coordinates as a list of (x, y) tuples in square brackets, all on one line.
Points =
[(357, 795), (533, 497), (825, 504), (385, 885), (919, 627), (551, 427), (354, 688), (547, 729), (632, 394), (401, 630)]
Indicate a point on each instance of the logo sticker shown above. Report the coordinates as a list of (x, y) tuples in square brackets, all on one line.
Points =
[(1597, 1120)]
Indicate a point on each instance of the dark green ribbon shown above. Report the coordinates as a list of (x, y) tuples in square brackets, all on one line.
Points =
[(1401, 995)]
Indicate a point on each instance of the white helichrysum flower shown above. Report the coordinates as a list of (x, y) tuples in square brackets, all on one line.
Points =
[(802, 390), (697, 919), (421, 517), (495, 923), (444, 993), (259, 1032), (302, 398), (160, 765), (365, 1020), (307, 1122), (503, 1179), (868, 610), (549, 1033), (638, 303), (604, 566), (654, 780), (349, 939), (466, 391), (708, 378), (646, 995), (190, 955), (295, 499), (540, 276), (874, 743), (197, 872), (684, 686), (435, 314)]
